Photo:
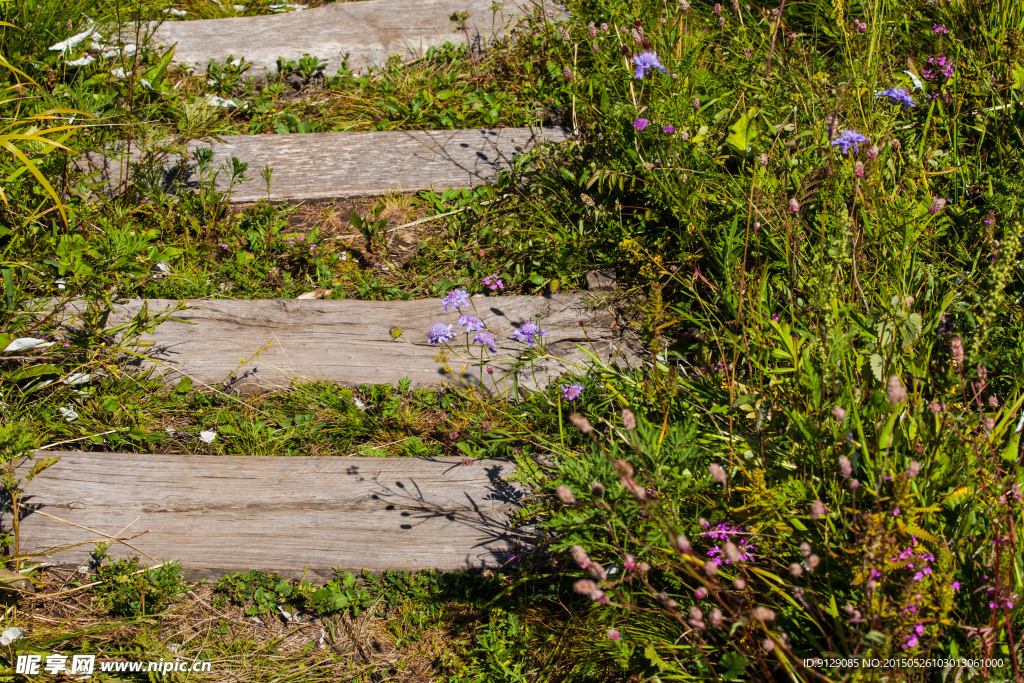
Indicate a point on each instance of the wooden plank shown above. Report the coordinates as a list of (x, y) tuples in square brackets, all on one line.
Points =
[(221, 514), (349, 342), (366, 32), (326, 166)]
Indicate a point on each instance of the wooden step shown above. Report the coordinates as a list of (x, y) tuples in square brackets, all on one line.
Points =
[(218, 514), (350, 342), (326, 166), (366, 32)]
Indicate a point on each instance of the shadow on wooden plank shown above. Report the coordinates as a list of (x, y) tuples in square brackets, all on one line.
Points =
[(288, 515)]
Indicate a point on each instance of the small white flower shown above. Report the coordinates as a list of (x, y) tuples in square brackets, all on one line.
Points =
[(69, 413), (161, 269), (236, 62), (207, 437), (84, 569), (175, 12), (10, 635), (171, 431), (612, 570), (239, 8), (60, 284), (215, 101), (359, 404), (118, 73)]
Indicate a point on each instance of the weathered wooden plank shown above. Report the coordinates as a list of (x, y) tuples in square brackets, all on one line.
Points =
[(325, 166), (349, 342), (367, 33), (222, 514)]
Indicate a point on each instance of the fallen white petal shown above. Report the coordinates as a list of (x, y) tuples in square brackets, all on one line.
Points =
[(75, 39), (81, 61), (69, 414), (207, 437), (10, 635), (215, 101), (78, 378), (118, 73), (26, 343)]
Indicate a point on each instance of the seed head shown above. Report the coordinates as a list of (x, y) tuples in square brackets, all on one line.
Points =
[(895, 390), (805, 549), (565, 495), (796, 570), (813, 561), (739, 584), (818, 509), (794, 205), (717, 473), (580, 555), (839, 413), (956, 347), (845, 467), (700, 593), (715, 617), (710, 568), (582, 423), (597, 489), (760, 613), (628, 419), (732, 552), (682, 543), (913, 469), (623, 468)]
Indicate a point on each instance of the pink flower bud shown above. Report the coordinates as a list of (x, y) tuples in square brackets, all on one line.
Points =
[(845, 467), (794, 205), (628, 419), (717, 473), (839, 413), (895, 390)]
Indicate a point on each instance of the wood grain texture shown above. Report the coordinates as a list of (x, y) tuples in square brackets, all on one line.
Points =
[(349, 342), (326, 166), (367, 33), (221, 514)]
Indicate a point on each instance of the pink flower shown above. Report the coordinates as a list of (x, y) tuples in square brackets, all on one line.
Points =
[(614, 634)]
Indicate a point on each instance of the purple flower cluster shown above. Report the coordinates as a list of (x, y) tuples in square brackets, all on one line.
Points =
[(727, 532), (457, 298), (471, 324), (940, 66), (898, 96), (641, 123), (572, 392), (848, 139), (527, 331), (493, 282), (440, 333), (911, 640), (486, 339), (646, 62), (912, 558)]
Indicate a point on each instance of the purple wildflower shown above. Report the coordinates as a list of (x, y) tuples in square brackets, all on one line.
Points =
[(494, 282), (456, 298), (527, 331), (939, 28), (940, 66), (471, 324), (645, 62), (486, 339), (850, 138), (938, 204), (440, 333), (640, 124), (898, 96), (572, 392), (670, 129)]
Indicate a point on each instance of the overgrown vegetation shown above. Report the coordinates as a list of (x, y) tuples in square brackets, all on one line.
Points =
[(814, 213)]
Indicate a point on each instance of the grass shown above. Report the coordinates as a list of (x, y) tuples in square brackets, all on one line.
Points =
[(819, 456)]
